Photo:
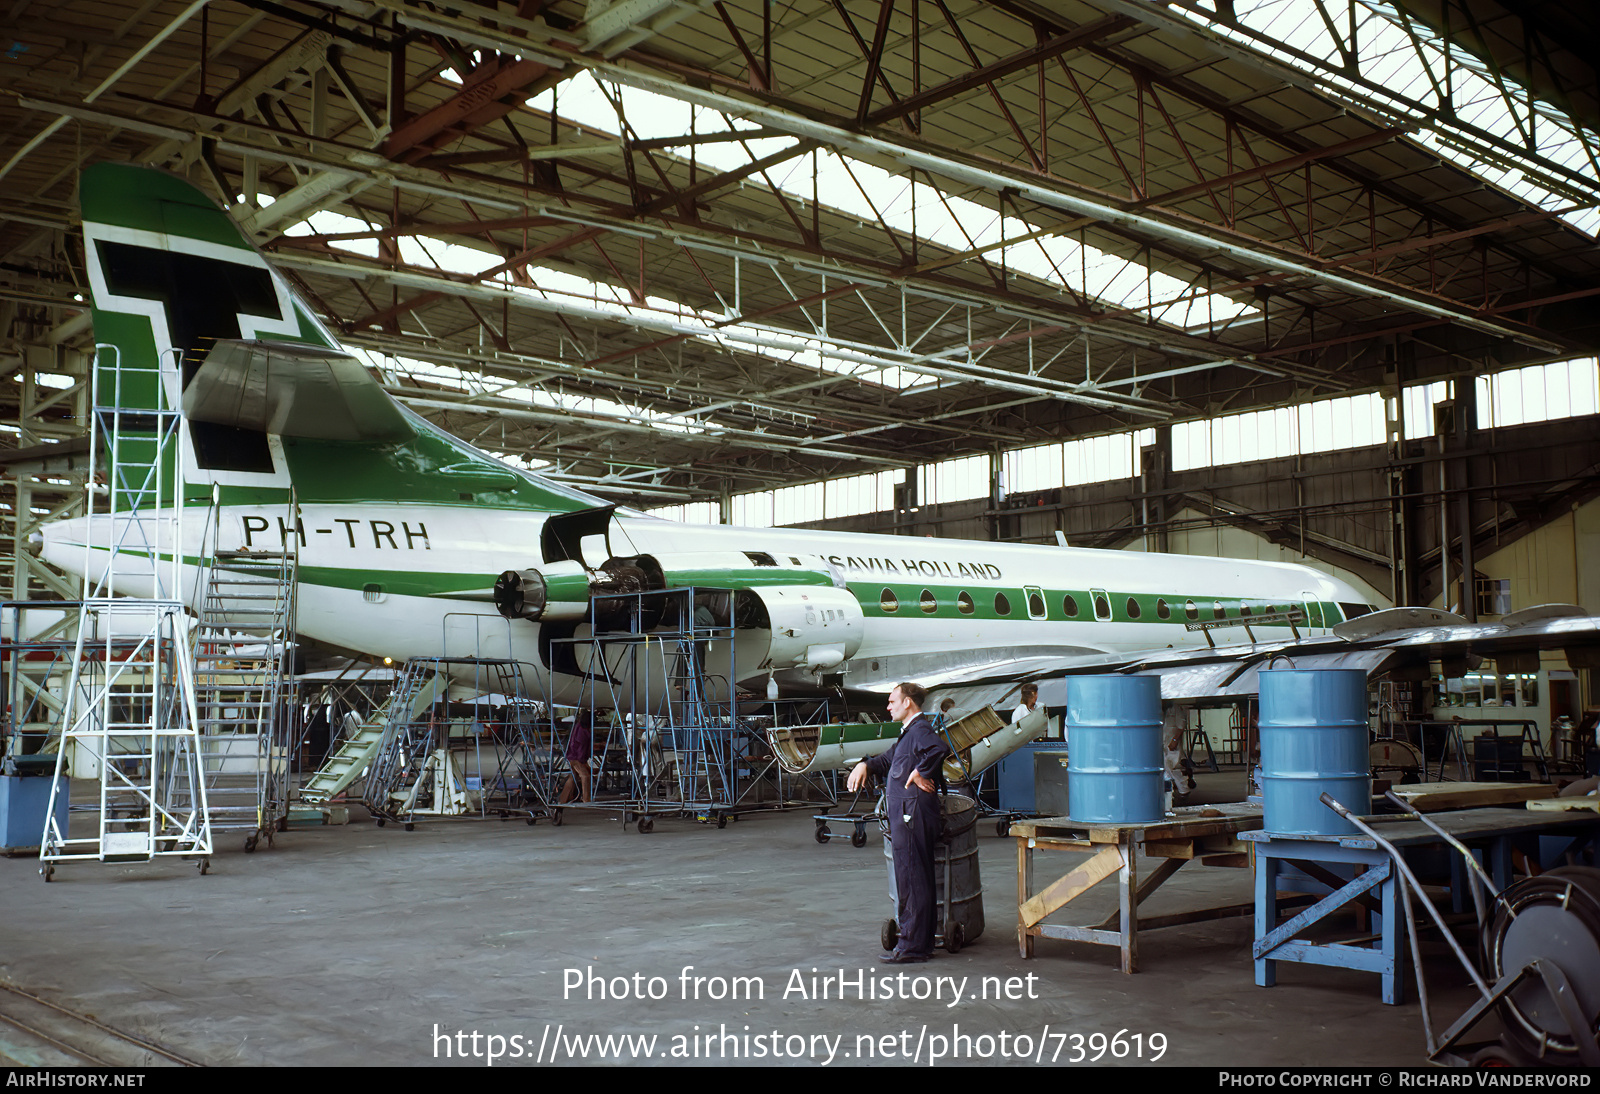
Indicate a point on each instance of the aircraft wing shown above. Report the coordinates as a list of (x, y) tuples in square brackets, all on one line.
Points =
[(1379, 643), (293, 390)]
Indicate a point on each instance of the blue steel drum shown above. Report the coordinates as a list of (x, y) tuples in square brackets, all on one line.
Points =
[(1314, 738), (1114, 767)]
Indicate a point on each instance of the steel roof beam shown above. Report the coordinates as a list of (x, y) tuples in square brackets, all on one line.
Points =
[(991, 178), (1346, 82), (987, 74)]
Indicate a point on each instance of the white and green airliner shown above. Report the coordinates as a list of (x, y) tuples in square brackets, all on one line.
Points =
[(412, 543)]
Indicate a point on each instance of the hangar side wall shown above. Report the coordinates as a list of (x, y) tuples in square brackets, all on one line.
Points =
[(1227, 542)]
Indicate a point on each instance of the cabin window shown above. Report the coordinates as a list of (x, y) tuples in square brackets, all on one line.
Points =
[(1244, 610), (1036, 608), (1133, 608), (1218, 611), (761, 558), (930, 603), (1102, 608), (1069, 605), (888, 602), (1002, 606), (964, 603), (1163, 609), (1190, 610)]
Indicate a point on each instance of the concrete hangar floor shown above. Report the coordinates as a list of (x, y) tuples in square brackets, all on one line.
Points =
[(355, 945)]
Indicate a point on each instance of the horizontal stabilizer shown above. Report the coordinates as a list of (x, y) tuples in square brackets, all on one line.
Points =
[(293, 390)]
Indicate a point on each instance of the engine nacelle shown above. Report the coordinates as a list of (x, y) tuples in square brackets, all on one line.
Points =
[(814, 629), (557, 590), (737, 569)]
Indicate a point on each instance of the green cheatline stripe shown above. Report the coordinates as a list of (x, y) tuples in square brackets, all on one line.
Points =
[(745, 579), (400, 582), (857, 732), (984, 602)]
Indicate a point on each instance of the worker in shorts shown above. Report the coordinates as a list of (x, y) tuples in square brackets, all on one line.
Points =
[(580, 746)]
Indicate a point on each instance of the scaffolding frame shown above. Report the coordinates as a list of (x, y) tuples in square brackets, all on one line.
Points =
[(129, 710), (243, 654), (505, 763), (685, 749)]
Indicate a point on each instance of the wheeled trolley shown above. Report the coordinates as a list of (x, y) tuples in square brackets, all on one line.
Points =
[(958, 890), (857, 821)]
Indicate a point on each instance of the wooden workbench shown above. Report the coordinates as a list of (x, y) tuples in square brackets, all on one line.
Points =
[(1114, 849), (1439, 797)]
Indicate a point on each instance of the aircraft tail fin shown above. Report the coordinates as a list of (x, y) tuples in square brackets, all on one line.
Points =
[(189, 315)]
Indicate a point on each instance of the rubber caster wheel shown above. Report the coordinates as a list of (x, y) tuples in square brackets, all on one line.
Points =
[(955, 938), (722, 820), (47, 872), (858, 838), (822, 833), (205, 866), (646, 825), (1002, 828), (557, 819), (889, 934), (410, 827), (381, 822), (531, 821), (250, 844), (1496, 1055)]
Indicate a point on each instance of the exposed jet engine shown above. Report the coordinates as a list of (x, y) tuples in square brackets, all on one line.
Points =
[(788, 613)]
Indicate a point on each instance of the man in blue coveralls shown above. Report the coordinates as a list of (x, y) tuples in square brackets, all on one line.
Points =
[(912, 770)]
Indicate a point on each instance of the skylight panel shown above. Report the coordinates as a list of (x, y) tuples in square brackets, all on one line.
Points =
[(906, 206), (392, 368), (328, 223), (1402, 74)]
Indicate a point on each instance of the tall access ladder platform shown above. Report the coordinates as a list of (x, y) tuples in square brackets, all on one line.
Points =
[(129, 722), (243, 659)]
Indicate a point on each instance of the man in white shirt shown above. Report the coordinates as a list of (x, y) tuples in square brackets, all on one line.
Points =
[(1030, 701)]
